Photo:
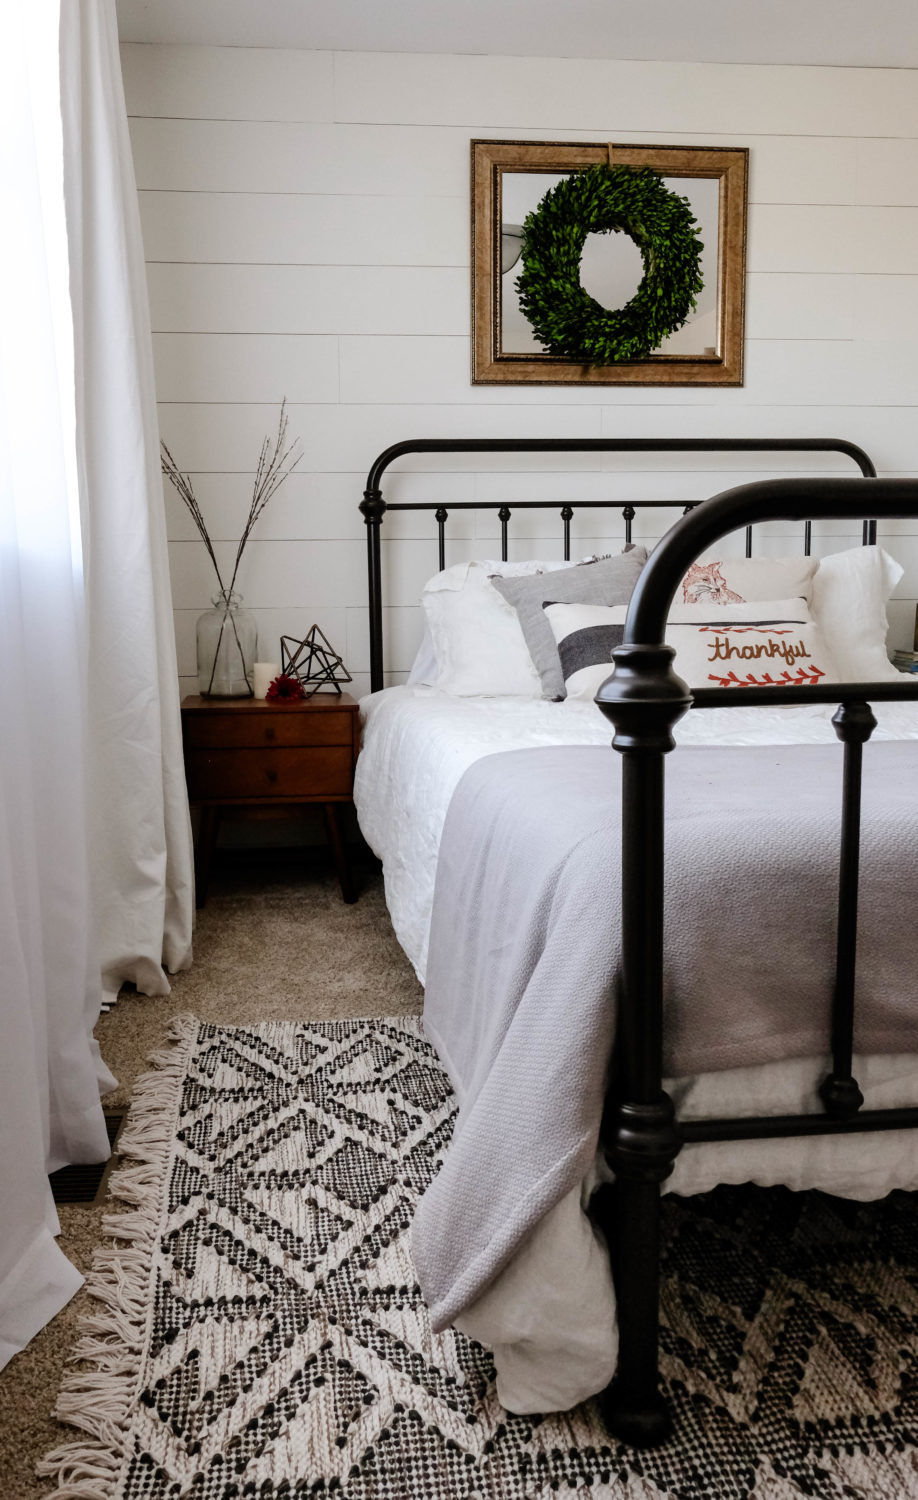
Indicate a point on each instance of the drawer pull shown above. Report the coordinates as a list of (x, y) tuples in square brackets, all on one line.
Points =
[(272, 776), (269, 734)]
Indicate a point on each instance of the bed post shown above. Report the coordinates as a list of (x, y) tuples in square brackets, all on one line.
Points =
[(373, 508), (643, 700)]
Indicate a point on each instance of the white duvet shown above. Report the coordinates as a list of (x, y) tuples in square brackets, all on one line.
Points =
[(550, 1316)]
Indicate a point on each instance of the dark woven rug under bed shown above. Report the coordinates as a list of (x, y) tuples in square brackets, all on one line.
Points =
[(259, 1331)]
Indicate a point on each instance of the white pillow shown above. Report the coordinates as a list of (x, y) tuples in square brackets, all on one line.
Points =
[(424, 668), (772, 642), (478, 646), (737, 580), (850, 593)]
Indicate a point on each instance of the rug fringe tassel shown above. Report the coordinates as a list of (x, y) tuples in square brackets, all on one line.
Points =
[(83, 1473), (98, 1397)]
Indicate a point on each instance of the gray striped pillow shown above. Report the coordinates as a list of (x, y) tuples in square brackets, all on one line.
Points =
[(608, 580)]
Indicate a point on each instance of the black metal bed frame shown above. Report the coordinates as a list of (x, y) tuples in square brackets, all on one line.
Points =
[(644, 699)]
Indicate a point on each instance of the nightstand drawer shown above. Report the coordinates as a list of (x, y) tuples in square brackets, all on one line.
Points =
[(263, 726), (226, 774)]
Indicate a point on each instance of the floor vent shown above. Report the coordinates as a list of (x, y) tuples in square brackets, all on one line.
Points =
[(86, 1183)]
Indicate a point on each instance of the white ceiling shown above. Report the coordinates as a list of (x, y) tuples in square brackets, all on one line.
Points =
[(847, 33)]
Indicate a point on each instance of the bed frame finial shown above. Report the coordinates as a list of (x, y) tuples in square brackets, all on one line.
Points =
[(643, 699)]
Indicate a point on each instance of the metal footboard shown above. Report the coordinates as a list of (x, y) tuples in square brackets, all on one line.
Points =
[(644, 699)]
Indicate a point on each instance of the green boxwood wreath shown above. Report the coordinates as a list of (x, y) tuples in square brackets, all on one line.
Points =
[(598, 200)]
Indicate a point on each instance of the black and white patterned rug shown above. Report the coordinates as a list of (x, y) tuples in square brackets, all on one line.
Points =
[(259, 1331)]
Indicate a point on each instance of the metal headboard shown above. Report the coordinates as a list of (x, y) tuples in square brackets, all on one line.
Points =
[(374, 507)]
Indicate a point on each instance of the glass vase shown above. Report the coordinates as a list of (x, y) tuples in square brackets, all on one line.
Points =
[(227, 646)]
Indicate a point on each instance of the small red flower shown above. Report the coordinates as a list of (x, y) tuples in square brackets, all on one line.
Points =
[(284, 689)]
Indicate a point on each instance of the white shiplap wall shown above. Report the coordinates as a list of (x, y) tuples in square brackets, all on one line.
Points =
[(305, 219)]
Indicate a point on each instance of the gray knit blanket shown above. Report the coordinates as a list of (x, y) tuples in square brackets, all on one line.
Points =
[(525, 949)]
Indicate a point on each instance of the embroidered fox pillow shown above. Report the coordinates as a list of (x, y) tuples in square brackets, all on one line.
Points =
[(738, 580), (770, 643)]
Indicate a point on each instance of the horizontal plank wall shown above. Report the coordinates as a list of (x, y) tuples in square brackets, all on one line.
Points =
[(305, 219)]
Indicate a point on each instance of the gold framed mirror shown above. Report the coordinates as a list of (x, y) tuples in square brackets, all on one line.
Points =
[(509, 182)]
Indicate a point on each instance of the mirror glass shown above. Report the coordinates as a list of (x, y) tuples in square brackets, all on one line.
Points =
[(610, 268)]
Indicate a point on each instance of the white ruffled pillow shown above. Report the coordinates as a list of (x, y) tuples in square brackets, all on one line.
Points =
[(851, 590), (476, 642), (771, 642)]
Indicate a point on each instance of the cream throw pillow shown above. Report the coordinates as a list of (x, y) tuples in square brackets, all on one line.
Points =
[(739, 580)]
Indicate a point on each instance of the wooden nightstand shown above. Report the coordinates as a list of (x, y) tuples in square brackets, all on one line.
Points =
[(246, 752)]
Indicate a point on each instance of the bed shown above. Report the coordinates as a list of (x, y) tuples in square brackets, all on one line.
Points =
[(446, 787)]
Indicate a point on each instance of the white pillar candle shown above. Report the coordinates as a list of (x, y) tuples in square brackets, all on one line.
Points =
[(265, 673)]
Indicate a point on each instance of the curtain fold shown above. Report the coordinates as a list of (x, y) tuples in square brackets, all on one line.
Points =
[(140, 828), (95, 844)]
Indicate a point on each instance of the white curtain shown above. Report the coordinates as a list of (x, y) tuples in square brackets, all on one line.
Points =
[(139, 823), (95, 851)]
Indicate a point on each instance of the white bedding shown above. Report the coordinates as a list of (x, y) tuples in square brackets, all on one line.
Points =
[(552, 1327)]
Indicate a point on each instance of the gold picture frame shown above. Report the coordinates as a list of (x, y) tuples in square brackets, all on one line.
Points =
[(515, 174)]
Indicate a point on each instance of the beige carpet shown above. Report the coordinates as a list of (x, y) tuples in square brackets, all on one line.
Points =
[(274, 943)]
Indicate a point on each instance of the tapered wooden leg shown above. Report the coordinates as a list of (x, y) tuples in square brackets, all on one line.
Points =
[(208, 831), (339, 854)]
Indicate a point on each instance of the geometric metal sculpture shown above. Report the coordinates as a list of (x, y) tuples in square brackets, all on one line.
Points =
[(313, 662)]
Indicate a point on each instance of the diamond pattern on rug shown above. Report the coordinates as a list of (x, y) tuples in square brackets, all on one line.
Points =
[(289, 1351)]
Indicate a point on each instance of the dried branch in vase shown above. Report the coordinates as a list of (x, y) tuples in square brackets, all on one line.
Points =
[(182, 484), (218, 674), (274, 465)]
